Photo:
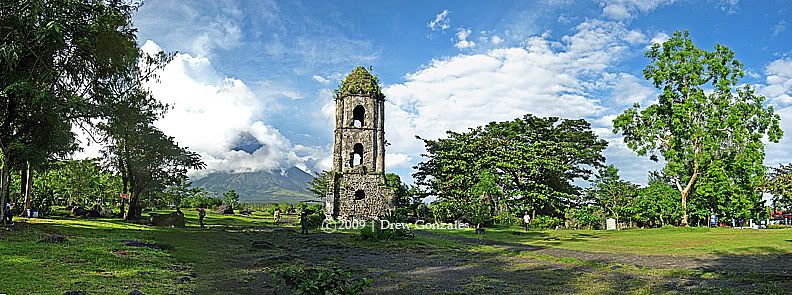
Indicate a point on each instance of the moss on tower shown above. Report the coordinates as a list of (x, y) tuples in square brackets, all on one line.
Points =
[(360, 82)]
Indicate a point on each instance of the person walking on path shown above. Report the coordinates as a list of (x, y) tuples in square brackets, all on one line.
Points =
[(201, 215), (527, 220)]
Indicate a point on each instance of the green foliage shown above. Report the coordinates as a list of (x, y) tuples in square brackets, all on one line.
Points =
[(546, 222), (779, 183), (360, 81), (320, 281), (56, 58), (74, 182), (658, 203), (314, 220), (615, 197), (231, 198), (401, 195), (589, 217), (529, 163), (319, 185), (507, 218), (711, 141), (199, 198)]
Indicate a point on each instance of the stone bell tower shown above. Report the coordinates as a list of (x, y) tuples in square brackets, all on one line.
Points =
[(356, 188)]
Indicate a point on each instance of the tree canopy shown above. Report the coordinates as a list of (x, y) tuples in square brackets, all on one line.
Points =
[(707, 128), (529, 163)]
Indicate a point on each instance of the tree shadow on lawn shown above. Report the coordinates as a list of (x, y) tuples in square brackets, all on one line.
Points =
[(397, 268)]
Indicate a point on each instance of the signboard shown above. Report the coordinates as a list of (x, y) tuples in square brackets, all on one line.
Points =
[(610, 224), (713, 220), (125, 196)]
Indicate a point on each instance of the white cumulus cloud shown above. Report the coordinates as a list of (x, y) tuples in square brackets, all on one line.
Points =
[(440, 23), (210, 112), (543, 77), (462, 41), (779, 81)]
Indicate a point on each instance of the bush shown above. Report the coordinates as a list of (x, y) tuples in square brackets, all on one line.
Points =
[(373, 231), (315, 220), (586, 217), (320, 281), (545, 222), (400, 215), (423, 211), (200, 200), (506, 218)]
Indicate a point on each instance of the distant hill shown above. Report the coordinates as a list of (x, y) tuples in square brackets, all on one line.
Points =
[(261, 186)]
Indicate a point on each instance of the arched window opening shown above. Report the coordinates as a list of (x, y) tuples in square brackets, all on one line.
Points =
[(358, 115), (357, 155), (360, 194)]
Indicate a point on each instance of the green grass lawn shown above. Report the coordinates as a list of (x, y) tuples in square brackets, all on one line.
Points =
[(206, 261), (95, 258), (693, 241)]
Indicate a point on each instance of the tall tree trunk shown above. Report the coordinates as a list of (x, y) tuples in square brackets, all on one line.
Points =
[(685, 192), (125, 189), (27, 187), (4, 185)]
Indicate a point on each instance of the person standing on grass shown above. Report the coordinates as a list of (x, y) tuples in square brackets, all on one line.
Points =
[(527, 220), (7, 213), (201, 215), (304, 221), (276, 216)]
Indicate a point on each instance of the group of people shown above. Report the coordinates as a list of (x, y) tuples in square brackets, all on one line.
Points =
[(276, 216)]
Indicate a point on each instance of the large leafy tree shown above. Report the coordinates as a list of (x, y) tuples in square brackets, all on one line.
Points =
[(529, 163), (703, 124), (53, 56)]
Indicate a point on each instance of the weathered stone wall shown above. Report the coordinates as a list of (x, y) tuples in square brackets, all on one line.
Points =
[(376, 201)]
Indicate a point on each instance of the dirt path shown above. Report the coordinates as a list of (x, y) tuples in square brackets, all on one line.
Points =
[(462, 271)]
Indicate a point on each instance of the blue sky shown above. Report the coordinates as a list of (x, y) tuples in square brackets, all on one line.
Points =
[(251, 87)]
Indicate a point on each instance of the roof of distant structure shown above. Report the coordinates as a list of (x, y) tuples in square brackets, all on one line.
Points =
[(360, 81)]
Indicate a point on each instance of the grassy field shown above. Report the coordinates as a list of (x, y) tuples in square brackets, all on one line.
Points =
[(95, 257), (693, 241)]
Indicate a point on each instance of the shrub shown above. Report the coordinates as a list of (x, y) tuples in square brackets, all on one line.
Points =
[(506, 218), (315, 220), (545, 222), (200, 200), (423, 211), (587, 217), (321, 281), (400, 214)]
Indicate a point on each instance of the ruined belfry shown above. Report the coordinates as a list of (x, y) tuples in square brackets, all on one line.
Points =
[(356, 188)]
